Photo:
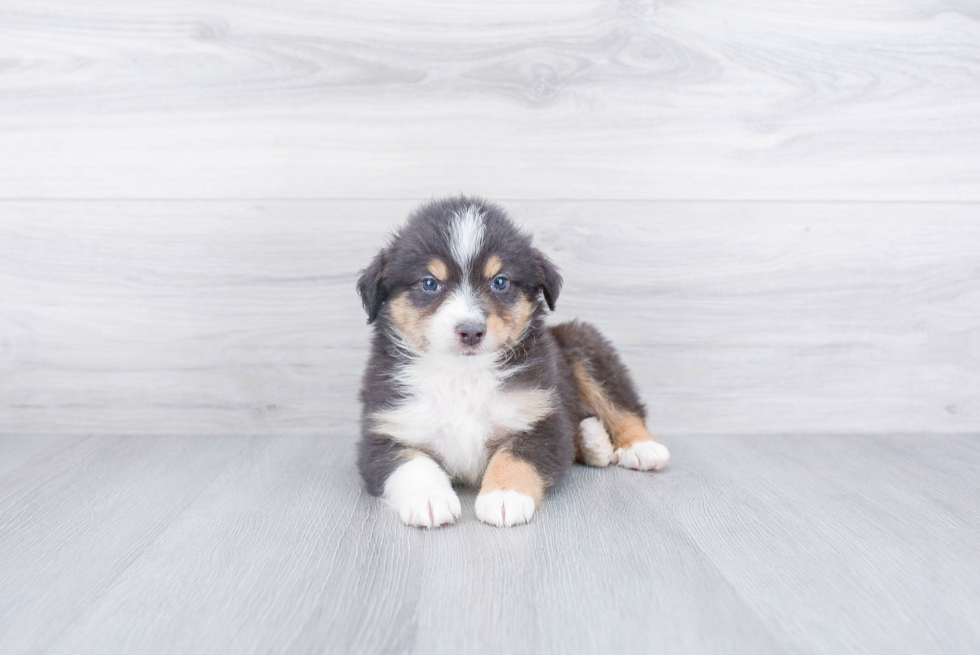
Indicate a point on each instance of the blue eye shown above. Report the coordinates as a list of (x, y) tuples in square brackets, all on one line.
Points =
[(500, 283), (429, 284)]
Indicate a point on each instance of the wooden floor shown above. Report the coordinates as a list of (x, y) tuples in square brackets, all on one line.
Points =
[(772, 208), (197, 544)]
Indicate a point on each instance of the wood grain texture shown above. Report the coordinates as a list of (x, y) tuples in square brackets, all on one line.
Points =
[(743, 545), (178, 377), (241, 317), (707, 99)]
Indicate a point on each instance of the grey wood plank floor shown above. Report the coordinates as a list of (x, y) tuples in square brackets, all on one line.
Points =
[(203, 544)]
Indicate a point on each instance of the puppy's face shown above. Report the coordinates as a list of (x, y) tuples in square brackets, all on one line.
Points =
[(459, 279)]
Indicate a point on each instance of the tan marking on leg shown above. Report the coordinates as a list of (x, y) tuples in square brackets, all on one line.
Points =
[(506, 471), (407, 318), (629, 429), (492, 267), (625, 427), (439, 269)]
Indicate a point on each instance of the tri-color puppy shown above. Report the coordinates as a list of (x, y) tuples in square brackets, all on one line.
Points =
[(466, 384)]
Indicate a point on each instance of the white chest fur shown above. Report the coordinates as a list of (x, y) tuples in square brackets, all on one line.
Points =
[(457, 407)]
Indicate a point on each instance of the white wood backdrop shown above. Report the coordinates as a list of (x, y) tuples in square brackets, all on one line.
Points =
[(187, 190), (761, 99), (241, 317)]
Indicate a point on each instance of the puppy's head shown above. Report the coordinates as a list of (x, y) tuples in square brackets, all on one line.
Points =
[(459, 279)]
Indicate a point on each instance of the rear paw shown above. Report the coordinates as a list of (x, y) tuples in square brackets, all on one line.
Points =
[(595, 446), (504, 507), (642, 456)]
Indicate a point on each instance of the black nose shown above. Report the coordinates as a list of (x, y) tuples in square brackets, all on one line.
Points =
[(471, 333)]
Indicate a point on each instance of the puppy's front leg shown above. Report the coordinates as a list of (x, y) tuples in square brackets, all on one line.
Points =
[(421, 492), (510, 491)]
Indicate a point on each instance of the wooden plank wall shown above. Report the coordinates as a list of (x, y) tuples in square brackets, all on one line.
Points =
[(772, 207)]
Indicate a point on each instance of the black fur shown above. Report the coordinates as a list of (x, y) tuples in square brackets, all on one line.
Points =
[(371, 285), (549, 278)]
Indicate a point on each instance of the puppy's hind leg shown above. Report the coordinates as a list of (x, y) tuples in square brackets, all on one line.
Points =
[(635, 447), (606, 388), (592, 444)]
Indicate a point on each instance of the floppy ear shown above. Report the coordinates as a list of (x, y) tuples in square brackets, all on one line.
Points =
[(548, 277), (371, 286)]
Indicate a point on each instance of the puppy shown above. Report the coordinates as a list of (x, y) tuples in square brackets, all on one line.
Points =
[(466, 384)]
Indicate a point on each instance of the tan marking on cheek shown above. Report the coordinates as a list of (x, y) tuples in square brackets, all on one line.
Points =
[(407, 318), (497, 328), (520, 316), (492, 267), (625, 427), (507, 471), (439, 269), (508, 326)]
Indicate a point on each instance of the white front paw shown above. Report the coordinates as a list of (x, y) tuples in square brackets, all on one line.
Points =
[(504, 507), (422, 493), (642, 456), (430, 508)]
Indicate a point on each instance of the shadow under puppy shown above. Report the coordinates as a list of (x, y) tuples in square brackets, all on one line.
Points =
[(466, 384)]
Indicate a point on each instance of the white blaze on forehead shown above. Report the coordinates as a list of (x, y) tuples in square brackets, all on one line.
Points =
[(466, 235)]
